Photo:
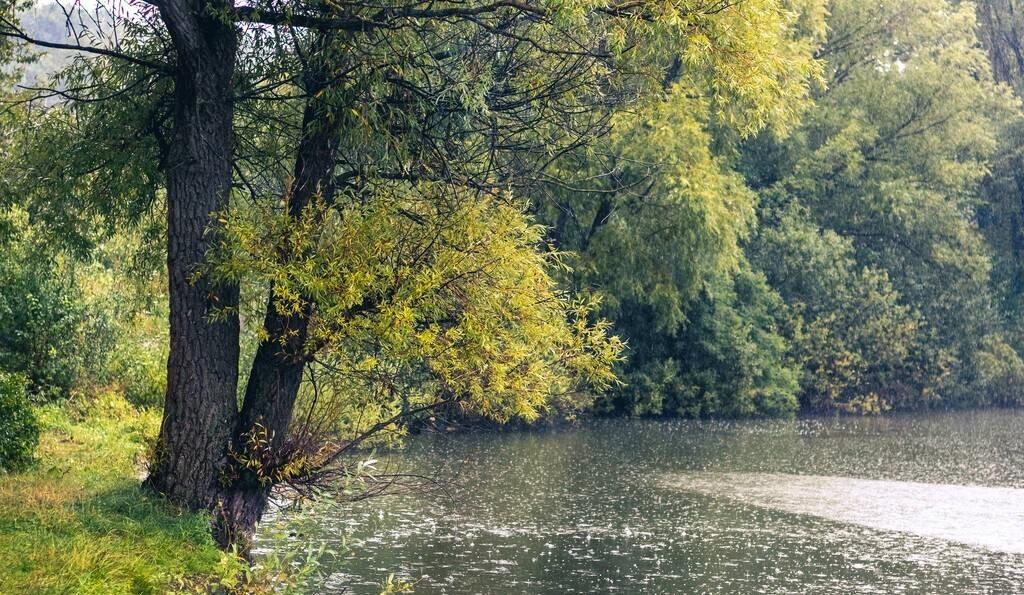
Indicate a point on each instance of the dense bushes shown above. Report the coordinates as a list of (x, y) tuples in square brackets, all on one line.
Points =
[(19, 431), (729, 359), (70, 325), (43, 319)]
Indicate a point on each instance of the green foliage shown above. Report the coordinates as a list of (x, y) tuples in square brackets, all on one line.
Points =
[(655, 208), (656, 216), (882, 145), (73, 326), (424, 296), (44, 321), (729, 359), (19, 430), (1001, 220), (275, 573), (869, 209), (93, 187), (124, 286), (1000, 373), (672, 217), (778, 204), (849, 332), (866, 226)]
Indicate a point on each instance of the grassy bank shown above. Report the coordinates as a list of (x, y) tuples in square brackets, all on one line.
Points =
[(77, 523)]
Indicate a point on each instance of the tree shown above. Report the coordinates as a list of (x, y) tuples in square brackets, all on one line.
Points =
[(1001, 215), (730, 358), (889, 167), (999, 30), (655, 215), (853, 339), (358, 165)]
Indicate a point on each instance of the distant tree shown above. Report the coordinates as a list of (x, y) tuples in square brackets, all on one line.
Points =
[(655, 215), (1001, 32), (847, 330), (730, 358), (1001, 214), (887, 170)]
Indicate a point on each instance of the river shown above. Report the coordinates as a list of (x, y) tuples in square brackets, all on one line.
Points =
[(924, 503)]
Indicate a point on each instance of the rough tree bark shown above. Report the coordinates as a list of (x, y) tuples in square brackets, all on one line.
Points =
[(200, 410), (1000, 33), (201, 422)]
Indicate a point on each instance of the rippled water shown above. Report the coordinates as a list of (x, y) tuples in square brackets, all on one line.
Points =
[(905, 504)]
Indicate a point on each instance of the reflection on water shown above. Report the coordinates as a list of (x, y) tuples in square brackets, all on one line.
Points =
[(699, 507), (975, 515)]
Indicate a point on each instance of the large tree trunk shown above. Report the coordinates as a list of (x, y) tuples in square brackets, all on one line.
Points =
[(277, 368), (1000, 33), (200, 411)]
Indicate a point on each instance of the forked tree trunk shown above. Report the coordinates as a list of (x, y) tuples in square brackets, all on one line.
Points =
[(200, 410), (201, 419)]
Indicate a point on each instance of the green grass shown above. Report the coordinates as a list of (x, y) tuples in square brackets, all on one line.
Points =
[(77, 522)]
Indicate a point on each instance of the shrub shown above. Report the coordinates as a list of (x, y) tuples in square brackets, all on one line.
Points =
[(140, 373), (80, 326), (42, 314), (19, 430), (1000, 372)]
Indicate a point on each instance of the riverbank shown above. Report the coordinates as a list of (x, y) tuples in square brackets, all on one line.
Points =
[(77, 523)]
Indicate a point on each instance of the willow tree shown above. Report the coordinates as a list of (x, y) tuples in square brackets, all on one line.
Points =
[(365, 169), (655, 215)]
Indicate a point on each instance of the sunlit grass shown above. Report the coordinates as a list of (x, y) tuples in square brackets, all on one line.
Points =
[(77, 522)]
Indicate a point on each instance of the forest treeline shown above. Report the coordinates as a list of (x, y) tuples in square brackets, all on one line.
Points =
[(861, 255), (854, 244)]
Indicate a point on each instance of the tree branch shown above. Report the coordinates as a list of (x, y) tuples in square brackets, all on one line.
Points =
[(15, 33), (382, 18)]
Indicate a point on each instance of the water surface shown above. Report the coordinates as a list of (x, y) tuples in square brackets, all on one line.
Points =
[(988, 517), (905, 504)]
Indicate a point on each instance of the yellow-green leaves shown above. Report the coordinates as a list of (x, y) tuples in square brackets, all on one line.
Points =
[(424, 294)]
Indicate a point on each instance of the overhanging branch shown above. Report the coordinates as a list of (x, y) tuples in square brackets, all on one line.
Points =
[(15, 33)]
